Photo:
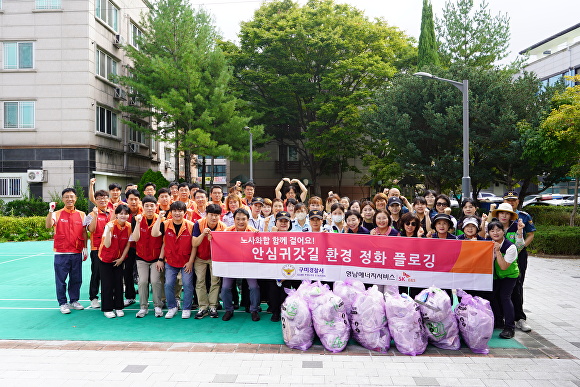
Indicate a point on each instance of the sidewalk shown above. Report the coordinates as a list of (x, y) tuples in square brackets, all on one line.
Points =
[(550, 359)]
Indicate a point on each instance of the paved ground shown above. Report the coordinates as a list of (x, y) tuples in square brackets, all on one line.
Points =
[(551, 357)]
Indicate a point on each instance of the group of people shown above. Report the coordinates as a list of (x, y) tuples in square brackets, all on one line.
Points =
[(163, 238)]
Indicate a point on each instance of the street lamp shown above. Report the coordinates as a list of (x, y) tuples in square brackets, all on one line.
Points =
[(464, 88), (247, 128)]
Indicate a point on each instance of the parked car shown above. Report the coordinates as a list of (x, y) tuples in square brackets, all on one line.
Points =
[(550, 200), (489, 197)]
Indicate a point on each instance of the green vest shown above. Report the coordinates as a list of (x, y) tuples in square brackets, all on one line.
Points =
[(513, 271)]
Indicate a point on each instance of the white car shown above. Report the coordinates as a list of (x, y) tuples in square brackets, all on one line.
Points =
[(489, 197)]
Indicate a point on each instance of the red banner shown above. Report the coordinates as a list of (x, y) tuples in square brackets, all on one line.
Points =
[(415, 262)]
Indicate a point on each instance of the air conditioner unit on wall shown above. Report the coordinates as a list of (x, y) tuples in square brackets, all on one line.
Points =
[(133, 148), (36, 176), (119, 41), (120, 94)]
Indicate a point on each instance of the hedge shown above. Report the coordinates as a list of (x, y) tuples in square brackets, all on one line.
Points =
[(557, 240), (23, 229), (552, 215)]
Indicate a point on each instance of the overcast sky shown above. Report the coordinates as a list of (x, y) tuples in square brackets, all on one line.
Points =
[(530, 21)]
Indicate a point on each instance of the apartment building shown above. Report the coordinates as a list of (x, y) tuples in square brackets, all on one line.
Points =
[(60, 122)]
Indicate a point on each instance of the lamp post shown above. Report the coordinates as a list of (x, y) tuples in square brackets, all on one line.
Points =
[(464, 88), (247, 128)]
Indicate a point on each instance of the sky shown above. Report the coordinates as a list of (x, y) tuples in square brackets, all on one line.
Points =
[(530, 21)]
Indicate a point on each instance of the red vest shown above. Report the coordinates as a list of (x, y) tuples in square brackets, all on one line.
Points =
[(204, 249), (177, 246), (148, 247), (97, 235), (119, 241), (69, 235)]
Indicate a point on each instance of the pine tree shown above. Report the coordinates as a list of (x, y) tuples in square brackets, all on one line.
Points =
[(428, 55)]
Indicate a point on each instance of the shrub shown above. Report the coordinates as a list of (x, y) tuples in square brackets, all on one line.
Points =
[(31, 206), (559, 240), (153, 177), (551, 215), (24, 229)]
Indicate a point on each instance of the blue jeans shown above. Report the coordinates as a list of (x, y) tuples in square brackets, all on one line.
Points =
[(226, 294), (171, 278), (68, 265)]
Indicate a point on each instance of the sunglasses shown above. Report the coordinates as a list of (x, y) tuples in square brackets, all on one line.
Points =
[(411, 224), (441, 204)]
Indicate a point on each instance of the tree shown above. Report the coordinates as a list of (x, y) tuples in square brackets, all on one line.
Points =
[(472, 37), (180, 78), (421, 120), (311, 71), (427, 53), (154, 177), (559, 134)]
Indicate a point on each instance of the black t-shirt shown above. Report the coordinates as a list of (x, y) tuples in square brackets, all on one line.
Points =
[(177, 228)]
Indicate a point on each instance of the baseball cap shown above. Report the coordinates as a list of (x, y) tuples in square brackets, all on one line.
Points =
[(257, 200), (394, 200), (283, 215), (316, 214), (511, 195)]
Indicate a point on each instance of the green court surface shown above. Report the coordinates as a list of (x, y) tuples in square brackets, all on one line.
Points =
[(30, 311)]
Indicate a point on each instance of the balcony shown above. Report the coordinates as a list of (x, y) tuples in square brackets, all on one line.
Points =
[(286, 167)]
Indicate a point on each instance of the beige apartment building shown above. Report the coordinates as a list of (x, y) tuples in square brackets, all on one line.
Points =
[(59, 110)]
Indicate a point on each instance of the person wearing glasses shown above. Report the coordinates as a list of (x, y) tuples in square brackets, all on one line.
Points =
[(411, 226), (443, 206)]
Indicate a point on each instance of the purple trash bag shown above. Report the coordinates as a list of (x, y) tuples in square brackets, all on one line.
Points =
[(348, 290), (405, 324), (438, 318), (475, 320), (328, 317), (297, 326), (368, 321)]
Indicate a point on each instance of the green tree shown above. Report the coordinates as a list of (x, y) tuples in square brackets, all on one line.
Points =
[(311, 70), (427, 52), (559, 134), (154, 177), (180, 78), (472, 37), (421, 120)]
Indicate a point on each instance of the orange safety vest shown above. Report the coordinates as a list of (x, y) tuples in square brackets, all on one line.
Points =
[(97, 235), (148, 247), (69, 233), (204, 249), (177, 246), (119, 240)]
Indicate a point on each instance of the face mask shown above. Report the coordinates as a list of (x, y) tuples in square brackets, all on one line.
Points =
[(301, 216), (337, 218)]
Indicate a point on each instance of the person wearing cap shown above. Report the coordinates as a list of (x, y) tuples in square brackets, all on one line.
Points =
[(241, 224), (442, 223), (276, 287), (470, 229), (529, 229), (256, 221), (405, 205), (395, 206), (300, 222), (315, 218)]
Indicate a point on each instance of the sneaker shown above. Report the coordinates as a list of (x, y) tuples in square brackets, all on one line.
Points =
[(65, 309), (275, 317), (228, 315), (201, 314), (95, 304), (507, 333), (128, 302), (110, 315), (255, 316), (76, 305), (119, 312), (213, 313), (171, 312), (158, 312), (523, 325), (186, 313), (142, 313)]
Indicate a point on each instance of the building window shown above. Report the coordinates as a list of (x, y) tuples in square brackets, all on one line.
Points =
[(136, 135), (219, 170), (108, 13), (136, 35), (18, 55), (106, 65), (10, 186), (106, 121), (48, 4), (19, 115)]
